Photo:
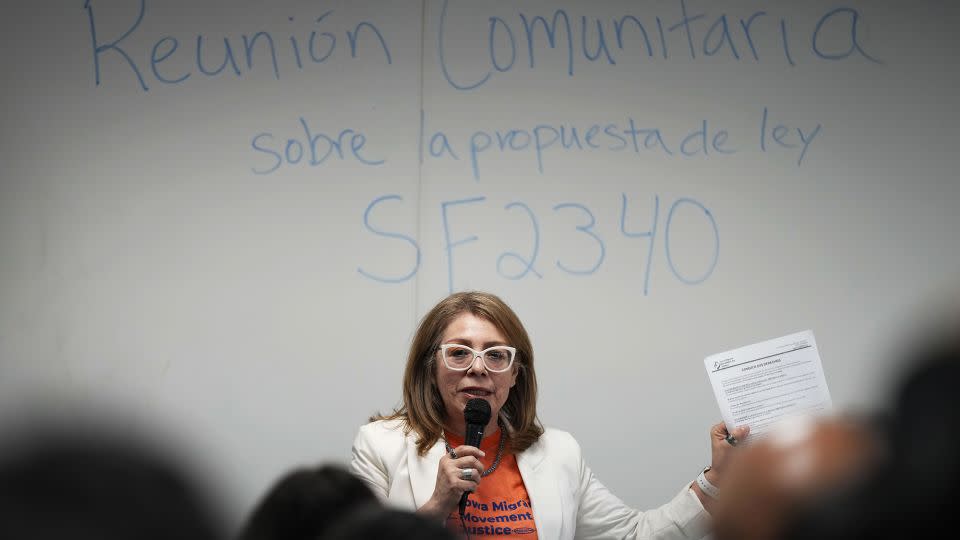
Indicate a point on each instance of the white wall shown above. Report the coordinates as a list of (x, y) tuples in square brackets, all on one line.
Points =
[(150, 259)]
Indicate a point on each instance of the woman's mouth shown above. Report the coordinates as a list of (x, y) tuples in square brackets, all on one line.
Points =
[(476, 392)]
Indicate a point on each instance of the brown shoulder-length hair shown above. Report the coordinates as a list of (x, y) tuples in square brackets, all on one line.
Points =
[(423, 411)]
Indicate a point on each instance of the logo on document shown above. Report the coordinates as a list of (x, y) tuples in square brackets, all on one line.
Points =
[(720, 364)]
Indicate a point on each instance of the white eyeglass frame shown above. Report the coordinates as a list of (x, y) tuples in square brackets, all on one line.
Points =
[(443, 356)]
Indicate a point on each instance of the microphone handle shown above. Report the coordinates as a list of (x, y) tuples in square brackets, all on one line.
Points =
[(472, 438)]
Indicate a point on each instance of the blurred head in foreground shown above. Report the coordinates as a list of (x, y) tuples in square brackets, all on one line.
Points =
[(305, 502), (91, 484), (912, 495), (857, 483), (376, 523), (799, 462)]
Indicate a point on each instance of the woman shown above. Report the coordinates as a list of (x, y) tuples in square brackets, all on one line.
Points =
[(523, 481)]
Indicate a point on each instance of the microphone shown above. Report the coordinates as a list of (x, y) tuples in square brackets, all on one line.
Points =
[(476, 415)]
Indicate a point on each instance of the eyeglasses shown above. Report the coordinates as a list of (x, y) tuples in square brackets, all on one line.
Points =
[(460, 357)]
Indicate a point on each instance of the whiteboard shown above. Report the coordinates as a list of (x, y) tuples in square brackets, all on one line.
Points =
[(222, 220)]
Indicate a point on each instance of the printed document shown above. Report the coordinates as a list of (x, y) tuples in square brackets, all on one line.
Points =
[(759, 384)]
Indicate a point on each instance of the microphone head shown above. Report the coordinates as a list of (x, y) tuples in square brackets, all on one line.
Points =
[(477, 412)]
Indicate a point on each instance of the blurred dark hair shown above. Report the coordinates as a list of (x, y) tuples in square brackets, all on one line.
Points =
[(377, 523), (88, 484), (304, 502)]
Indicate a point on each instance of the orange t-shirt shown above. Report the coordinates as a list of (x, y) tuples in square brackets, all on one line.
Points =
[(500, 507)]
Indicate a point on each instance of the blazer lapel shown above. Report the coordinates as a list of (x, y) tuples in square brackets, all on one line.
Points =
[(544, 495), (423, 471)]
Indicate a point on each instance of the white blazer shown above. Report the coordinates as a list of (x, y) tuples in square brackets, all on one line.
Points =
[(568, 501)]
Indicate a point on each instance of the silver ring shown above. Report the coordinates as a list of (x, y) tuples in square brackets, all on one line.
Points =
[(466, 474)]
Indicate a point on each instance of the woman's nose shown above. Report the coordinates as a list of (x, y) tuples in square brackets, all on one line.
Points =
[(477, 365)]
